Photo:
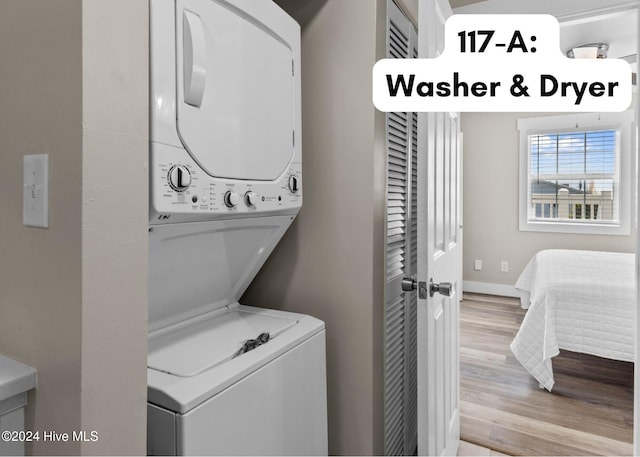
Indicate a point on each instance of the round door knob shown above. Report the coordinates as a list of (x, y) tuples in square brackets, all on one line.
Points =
[(444, 288), (231, 199), (294, 183), (408, 284), (179, 178), (251, 198)]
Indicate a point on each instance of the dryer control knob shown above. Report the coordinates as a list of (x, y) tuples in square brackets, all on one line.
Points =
[(179, 178), (294, 183), (231, 199), (251, 198)]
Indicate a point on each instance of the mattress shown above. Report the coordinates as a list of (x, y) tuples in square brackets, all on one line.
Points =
[(580, 301)]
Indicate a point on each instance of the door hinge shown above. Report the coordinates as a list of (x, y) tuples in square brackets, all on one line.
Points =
[(293, 68)]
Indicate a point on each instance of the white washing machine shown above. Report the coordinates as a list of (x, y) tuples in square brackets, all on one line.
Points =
[(225, 177)]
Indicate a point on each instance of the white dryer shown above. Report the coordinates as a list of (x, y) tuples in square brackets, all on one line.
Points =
[(225, 178)]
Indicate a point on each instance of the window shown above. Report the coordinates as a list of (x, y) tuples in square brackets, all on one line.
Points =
[(574, 173), (574, 167)]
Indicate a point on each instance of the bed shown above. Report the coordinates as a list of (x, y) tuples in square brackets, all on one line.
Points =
[(581, 301)]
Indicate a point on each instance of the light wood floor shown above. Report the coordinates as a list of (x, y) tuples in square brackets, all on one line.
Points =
[(589, 411), (466, 449)]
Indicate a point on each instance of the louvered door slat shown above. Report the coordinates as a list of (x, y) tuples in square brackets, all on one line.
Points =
[(398, 149), (396, 168), (398, 119), (396, 180), (395, 232), (398, 162), (398, 197)]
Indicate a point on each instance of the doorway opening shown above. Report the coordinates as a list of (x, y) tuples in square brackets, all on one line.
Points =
[(590, 409)]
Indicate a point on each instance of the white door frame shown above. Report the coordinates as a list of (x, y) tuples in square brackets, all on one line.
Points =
[(636, 386)]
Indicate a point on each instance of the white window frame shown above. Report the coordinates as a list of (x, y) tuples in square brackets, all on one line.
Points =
[(626, 162)]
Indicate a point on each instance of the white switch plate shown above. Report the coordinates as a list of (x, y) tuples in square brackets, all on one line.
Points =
[(477, 265), (504, 266), (35, 192)]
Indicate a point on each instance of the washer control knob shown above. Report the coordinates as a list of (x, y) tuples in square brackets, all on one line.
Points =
[(294, 183), (251, 198), (231, 199), (179, 178)]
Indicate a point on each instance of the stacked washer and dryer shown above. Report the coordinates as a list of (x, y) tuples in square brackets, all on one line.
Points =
[(225, 177)]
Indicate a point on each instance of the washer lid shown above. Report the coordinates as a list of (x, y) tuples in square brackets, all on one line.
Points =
[(236, 92), (196, 268), (210, 342)]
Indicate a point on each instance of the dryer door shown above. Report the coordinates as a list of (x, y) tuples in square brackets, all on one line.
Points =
[(235, 87)]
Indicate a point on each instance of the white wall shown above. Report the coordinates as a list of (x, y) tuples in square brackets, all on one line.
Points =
[(491, 158), (115, 78)]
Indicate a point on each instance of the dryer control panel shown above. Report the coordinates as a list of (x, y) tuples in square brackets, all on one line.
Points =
[(183, 192)]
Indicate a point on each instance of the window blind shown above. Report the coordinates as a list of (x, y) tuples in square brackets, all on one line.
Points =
[(574, 177)]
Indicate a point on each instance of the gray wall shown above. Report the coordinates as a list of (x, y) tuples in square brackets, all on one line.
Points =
[(330, 263), (41, 271), (490, 166), (73, 296)]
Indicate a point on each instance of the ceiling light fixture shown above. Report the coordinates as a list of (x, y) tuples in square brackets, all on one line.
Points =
[(589, 51)]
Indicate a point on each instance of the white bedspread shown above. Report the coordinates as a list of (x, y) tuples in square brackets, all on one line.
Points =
[(581, 301)]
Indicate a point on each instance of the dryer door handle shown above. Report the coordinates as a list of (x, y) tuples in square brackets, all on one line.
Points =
[(194, 58)]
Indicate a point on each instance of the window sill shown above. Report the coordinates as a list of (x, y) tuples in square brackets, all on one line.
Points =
[(579, 228)]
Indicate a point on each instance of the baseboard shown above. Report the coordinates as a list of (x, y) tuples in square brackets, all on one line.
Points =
[(504, 290)]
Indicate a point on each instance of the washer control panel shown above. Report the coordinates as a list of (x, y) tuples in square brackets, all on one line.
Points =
[(251, 198), (179, 178), (182, 192), (294, 183)]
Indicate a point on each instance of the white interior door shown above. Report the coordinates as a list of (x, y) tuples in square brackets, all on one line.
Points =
[(439, 258)]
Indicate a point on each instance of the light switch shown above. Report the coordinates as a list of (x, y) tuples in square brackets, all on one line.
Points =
[(35, 193)]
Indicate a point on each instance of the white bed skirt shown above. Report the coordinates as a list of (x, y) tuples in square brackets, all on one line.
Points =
[(581, 301)]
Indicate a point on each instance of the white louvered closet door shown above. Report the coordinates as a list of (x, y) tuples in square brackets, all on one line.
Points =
[(400, 332)]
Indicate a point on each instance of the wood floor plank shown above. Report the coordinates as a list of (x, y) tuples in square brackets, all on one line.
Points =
[(589, 411), (511, 442), (548, 410), (591, 443), (470, 449)]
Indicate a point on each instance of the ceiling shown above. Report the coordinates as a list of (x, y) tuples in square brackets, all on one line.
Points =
[(613, 22), (459, 3), (618, 30)]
